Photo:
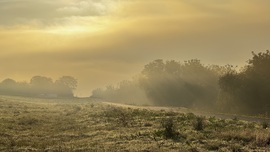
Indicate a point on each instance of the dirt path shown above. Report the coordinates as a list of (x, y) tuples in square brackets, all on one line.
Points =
[(186, 110), (155, 108)]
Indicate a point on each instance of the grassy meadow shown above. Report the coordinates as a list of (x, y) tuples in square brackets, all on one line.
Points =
[(32, 124)]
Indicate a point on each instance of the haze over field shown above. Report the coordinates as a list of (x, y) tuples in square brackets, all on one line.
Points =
[(101, 42)]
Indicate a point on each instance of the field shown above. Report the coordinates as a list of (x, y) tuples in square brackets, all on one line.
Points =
[(32, 124)]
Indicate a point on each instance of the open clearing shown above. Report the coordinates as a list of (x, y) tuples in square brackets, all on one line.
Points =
[(32, 124)]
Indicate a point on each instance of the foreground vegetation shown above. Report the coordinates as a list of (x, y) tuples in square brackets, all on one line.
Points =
[(30, 124)]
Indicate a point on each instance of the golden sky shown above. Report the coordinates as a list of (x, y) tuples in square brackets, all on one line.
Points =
[(101, 42)]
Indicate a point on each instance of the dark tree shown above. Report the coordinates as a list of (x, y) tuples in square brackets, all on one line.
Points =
[(248, 91)]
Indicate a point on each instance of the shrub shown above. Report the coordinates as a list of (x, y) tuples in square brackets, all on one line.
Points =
[(123, 117), (168, 129), (199, 123)]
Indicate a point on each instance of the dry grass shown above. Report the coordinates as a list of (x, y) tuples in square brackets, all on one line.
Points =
[(28, 124)]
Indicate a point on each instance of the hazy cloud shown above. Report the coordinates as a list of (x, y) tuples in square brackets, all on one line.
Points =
[(14, 12)]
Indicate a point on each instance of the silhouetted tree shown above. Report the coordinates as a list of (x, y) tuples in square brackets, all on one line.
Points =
[(248, 90)]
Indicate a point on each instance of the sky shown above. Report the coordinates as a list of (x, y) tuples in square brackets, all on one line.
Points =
[(101, 42)]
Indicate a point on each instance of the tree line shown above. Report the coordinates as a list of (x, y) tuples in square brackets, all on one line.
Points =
[(247, 91), (40, 86), (192, 84)]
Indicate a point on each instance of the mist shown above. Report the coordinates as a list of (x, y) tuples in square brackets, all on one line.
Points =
[(134, 75), (178, 51), (40, 86), (193, 85), (169, 83), (190, 84)]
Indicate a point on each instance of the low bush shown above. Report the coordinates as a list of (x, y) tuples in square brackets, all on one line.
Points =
[(198, 124), (168, 130)]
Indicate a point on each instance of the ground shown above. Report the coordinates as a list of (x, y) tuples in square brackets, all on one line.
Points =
[(32, 124)]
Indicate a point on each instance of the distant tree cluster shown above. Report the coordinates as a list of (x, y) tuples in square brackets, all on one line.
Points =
[(192, 84), (40, 86)]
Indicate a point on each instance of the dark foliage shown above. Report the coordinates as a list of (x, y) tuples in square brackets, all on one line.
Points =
[(169, 130), (198, 124), (247, 91)]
